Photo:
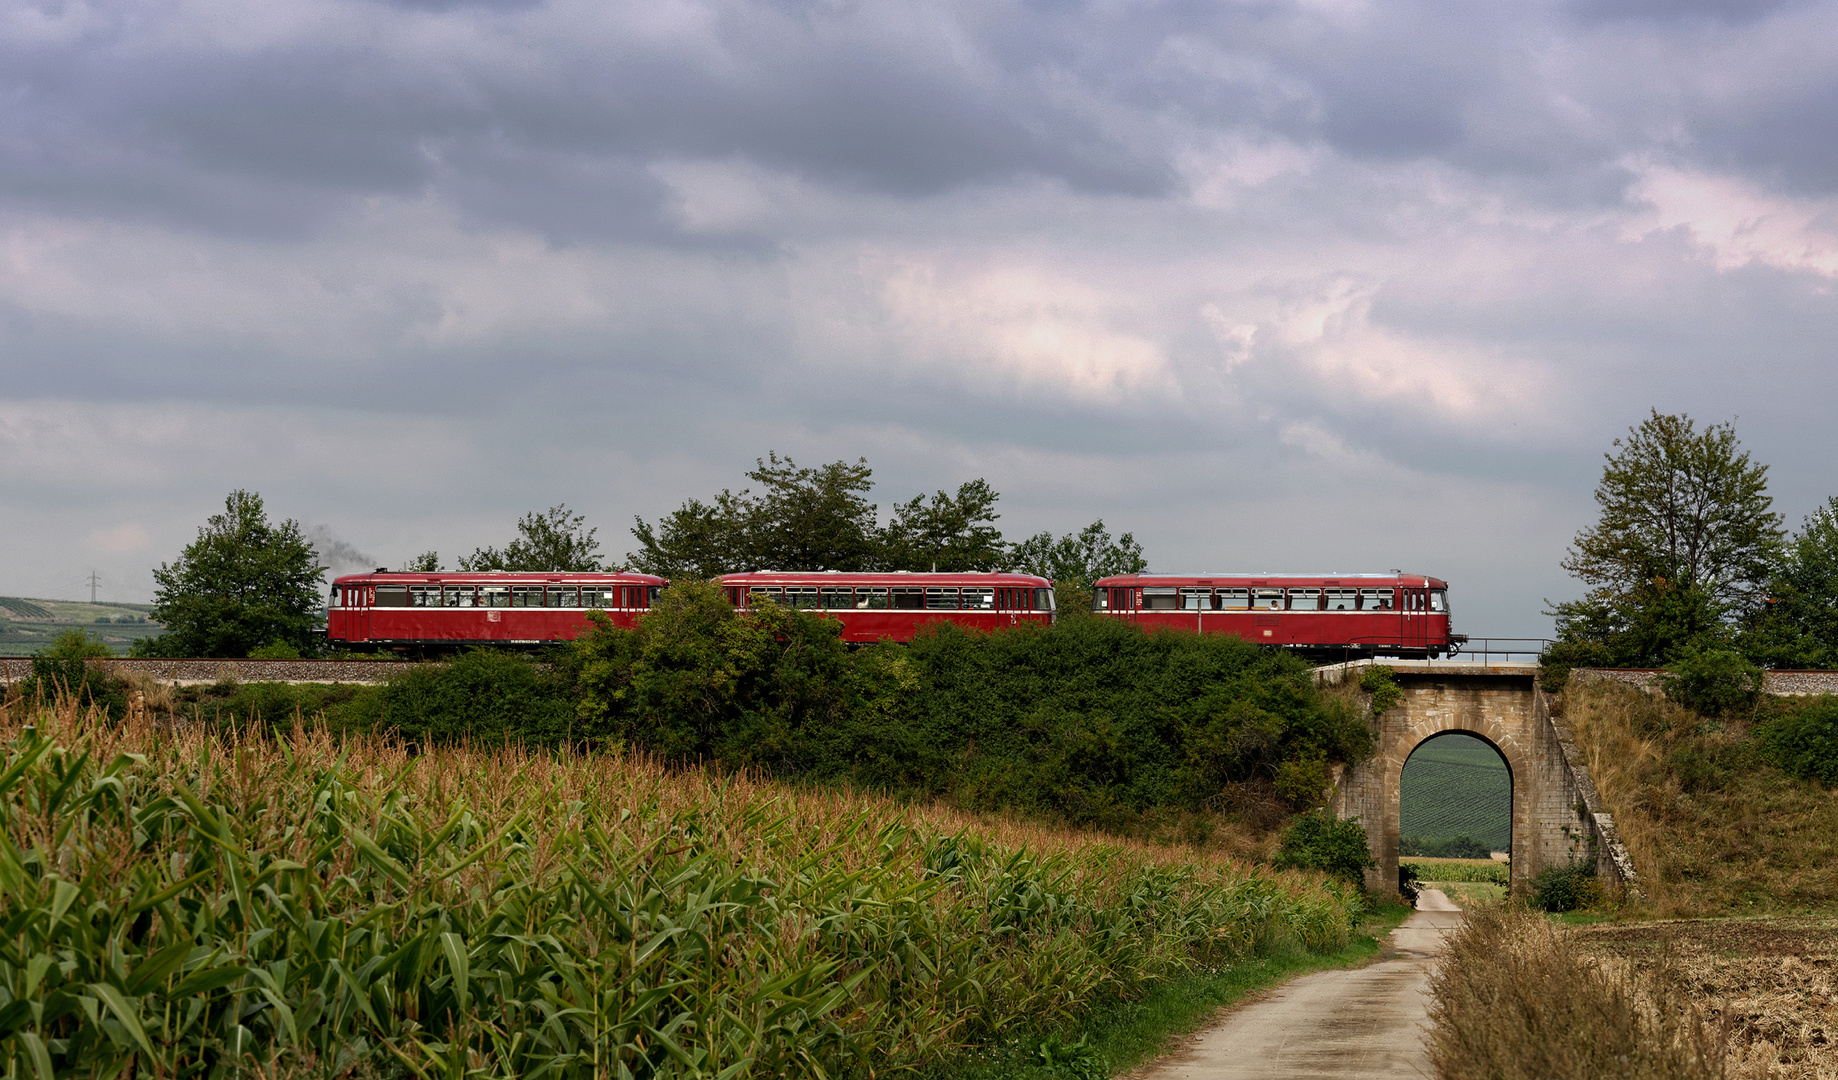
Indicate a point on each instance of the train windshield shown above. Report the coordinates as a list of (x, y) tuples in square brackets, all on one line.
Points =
[(333, 602), (1439, 600), (1043, 599)]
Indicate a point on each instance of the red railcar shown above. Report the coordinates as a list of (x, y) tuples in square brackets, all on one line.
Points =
[(892, 607), (449, 610), (1323, 615)]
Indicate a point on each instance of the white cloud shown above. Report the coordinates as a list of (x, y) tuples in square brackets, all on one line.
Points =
[(1738, 221)]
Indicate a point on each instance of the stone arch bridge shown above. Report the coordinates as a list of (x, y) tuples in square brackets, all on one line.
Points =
[(1557, 816)]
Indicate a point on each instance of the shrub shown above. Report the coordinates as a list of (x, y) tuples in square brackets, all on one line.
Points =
[(1805, 742), (1712, 681), (484, 696), (1567, 888), (275, 650), (1320, 841), (1458, 847), (63, 667), (1381, 682)]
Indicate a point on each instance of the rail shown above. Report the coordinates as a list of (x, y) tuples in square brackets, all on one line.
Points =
[(1487, 650)]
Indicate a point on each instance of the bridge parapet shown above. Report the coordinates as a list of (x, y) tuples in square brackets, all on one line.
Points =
[(1557, 816)]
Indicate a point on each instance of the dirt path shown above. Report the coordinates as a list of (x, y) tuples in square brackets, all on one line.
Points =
[(1363, 1023)]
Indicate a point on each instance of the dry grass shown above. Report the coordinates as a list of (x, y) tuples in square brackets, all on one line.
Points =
[(1772, 984), (1711, 828), (1516, 999)]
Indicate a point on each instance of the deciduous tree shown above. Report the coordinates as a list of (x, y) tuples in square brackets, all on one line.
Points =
[(556, 541), (1075, 560), (242, 584), (1684, 545), (947, 533)]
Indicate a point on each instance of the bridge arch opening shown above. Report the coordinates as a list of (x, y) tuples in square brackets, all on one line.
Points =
[(1455, 798)]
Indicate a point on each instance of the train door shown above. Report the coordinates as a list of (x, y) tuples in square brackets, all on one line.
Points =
[(359, 618), (1414, 618)]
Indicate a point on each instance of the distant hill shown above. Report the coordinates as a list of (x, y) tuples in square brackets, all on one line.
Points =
[(1456, 785), (28, 624)]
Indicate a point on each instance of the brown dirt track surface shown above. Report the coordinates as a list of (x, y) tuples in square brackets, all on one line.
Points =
[(1772, 982)]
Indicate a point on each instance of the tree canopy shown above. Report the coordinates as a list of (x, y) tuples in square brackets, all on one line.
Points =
[(242, 584), (949, 533), (1797, 625), (1684, 547), (557, 540), (1073, 561)]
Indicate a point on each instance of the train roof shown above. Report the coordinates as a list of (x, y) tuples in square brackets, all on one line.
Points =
[(896, 577), (1421, 581), (465, 577)]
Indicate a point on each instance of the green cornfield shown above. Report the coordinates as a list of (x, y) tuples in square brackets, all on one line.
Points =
[(181, 903)]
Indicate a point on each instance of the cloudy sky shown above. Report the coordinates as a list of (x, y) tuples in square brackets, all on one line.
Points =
[(1320, 284)]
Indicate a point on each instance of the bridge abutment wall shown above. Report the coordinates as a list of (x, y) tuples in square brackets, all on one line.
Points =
[(1557, 816)]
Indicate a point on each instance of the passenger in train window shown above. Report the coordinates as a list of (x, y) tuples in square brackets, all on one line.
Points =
[(456, 596), (979, 600), (1375, 599), (494, 596), (871, 599), (1342, 599), (1234, 599), (563, 596), (526, 595), (1267, 599), (1305, 599), (424, 596), (908, 598), (937, 599), (838, 599)]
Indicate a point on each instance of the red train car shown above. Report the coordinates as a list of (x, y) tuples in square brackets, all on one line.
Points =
[(1328, 616), (892, 607), (388, 610)]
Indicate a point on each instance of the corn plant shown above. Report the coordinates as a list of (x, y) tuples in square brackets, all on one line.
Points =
[(187, 904)]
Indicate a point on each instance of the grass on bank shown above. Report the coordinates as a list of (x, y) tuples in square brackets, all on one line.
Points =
[(186, 902), (1712, 825)]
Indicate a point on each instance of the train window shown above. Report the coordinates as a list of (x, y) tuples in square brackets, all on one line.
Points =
[(1196, 599), (801, 596), (838, 599), (1100, 599), (937, 599), (494, 596), (424, 596), (1342, 599), (1234, 599), (1043, 599), (1159, 599), (563, 596), (979, 600), (393, 596), (651, 592), (1375, 599), (871, 599), (596, 596), (1305, 599), (526, 595), (765, 592), (332, 601), (908, 598), (457, 596), (1439, 600), (1267, 599)]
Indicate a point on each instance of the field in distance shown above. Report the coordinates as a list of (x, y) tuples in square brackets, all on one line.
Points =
[(1456, 785), (28, 624)]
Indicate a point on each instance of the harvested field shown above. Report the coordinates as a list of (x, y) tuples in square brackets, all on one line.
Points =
[(1772, 982)]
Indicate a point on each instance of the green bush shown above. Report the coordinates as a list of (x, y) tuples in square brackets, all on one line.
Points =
[(483, 696), (1456, 847), (64, 667), (275, 650), (1567, 888), (275, 706), (1804, 743), (1712, 681), (1320, 841)]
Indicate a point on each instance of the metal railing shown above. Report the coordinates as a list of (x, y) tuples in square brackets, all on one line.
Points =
[(1483, 650)]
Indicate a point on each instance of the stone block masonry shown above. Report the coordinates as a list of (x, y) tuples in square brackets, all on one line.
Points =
[(1556, 815)]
